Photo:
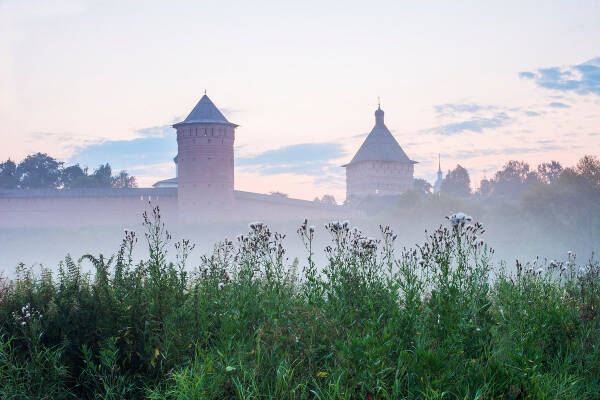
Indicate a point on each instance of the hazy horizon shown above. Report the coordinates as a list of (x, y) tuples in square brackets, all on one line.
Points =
[(92, 82)]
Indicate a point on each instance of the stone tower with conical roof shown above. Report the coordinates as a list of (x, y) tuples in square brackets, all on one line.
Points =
[(204, 161), (380, 166)]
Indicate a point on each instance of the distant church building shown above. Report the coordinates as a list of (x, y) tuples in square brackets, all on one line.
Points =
[(380, 167), (437, 186)]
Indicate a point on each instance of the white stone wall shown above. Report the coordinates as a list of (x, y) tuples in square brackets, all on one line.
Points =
[(378, 178)]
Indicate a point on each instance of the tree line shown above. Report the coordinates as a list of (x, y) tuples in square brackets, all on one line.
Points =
[(41, 171), (518, 178), (549, 200)]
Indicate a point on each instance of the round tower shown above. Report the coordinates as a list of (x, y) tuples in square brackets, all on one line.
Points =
[(205, 175)]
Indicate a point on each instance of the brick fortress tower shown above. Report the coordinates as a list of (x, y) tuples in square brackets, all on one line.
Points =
[(204, 161)]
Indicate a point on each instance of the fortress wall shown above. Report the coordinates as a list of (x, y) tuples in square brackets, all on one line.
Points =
[(255, 209), (46, 208), (81, 211)]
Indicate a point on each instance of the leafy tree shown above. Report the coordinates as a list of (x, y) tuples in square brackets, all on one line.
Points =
[(485, 187), (103, 176), (457, 182), (74, 176), (549, 172), (8, 175), (513, 179), (39, 171), (588, 168), (326, 199), (278, 194), (123, 180), (421, 186)]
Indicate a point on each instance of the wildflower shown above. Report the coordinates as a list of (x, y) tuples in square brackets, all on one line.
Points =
[(539, 271), (221, 285), (311, 229), (255, 225), (459, 219)]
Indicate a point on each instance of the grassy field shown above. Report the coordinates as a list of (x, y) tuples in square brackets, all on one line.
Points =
[(439, 321)]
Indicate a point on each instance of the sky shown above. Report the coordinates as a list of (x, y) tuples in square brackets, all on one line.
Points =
[(480, 83)]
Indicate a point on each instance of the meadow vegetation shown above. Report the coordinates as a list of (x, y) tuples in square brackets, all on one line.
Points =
[(442, 320)]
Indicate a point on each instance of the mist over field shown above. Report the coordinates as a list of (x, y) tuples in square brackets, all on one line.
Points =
[(526, 214)]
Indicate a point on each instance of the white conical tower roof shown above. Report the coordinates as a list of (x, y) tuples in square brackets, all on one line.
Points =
[(380, 145)]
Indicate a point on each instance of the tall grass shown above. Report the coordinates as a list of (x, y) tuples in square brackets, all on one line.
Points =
[(437, 321)]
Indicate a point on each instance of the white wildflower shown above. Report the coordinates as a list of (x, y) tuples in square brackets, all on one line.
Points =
[(459, 219)]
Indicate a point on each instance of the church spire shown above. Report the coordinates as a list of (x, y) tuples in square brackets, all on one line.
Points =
[(379, 114), (437, 186)]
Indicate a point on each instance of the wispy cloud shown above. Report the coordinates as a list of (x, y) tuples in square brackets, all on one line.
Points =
[(581, 78), (156, 146), (526, 75), (157, 131), (558, 104), (67, 143), (467, 154), (532, 113), (477, 124), (304, 159), (451, 109)]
